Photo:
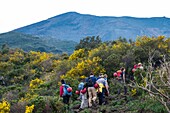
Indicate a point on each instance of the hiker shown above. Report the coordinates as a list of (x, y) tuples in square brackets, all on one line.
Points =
[(137, 73), (80, 87), (122, 80), (106, 88), (101, 90), (84, 99), (137, 66), (132, 72), (65, 92), (91, 80), (140, 66)]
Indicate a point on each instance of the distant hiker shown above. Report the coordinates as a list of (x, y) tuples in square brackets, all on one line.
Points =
[(137, 73), (137, 66), (106, 85), (65, 92), (106, 88), (140, 66), (91, 80), (84, 99), (122, 81), (80, 87), (103, 87), (132, 72)]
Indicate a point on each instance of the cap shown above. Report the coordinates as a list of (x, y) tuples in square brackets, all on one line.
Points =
[(139, 63)]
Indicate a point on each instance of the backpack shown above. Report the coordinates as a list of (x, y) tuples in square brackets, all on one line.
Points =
[(65, 90), (81, 86), (90, 82)]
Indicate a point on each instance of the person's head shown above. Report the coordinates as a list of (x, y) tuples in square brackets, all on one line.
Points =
[(91, 73), (101, 76), (105, 75), (62, 81), (81, 80), (139, 64), (122, 69)]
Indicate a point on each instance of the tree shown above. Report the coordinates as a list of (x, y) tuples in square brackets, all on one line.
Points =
[(5, 48), (157, 82), (89, 43)]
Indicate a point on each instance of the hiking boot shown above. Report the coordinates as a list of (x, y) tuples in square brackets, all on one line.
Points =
[(80, 109), (94, 103)]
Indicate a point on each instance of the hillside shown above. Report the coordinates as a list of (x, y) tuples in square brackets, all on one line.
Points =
[(75, 26), (35, 43), (30, 81)]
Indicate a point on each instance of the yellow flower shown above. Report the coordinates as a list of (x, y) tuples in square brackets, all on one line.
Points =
[(133, 92), (4, 107), (35, 83), (29, 109)]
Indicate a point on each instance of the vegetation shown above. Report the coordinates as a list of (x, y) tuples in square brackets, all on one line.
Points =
[(29, 42), (29, 81)]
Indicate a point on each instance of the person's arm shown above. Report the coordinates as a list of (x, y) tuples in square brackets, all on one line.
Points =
[(124, 76), (107, 86), (61, 91)]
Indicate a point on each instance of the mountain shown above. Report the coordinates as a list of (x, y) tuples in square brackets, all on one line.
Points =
[(75, 26), (29, 42)]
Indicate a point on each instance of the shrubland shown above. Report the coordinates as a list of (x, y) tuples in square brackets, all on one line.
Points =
[(29, 81)]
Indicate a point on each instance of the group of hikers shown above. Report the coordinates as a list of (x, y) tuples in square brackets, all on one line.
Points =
[(92, 88)]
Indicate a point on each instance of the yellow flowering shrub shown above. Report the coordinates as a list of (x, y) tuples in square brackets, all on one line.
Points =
[(77, 54), (32, 71), (35, 83), (83, 77), (16, 56), (4, 107), (28, 97), (37, 57), (92, 52), (29, 109), (84, 68)]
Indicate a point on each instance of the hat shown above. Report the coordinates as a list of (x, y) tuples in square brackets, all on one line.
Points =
[(139, 63), (102, 76), (63, 82), (105, 75)]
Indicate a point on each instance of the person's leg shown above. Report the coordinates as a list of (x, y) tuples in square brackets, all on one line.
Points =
[(82, 101), (65, 99), (100, 98), (125, 90), (85, 100), (85, 103), (119, 87), (104, 95), (90, 96), (94, 93)]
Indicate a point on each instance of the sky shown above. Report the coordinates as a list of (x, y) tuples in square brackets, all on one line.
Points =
[(18, 13)]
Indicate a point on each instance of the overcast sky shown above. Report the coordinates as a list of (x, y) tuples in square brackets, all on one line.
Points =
[(19, 13)]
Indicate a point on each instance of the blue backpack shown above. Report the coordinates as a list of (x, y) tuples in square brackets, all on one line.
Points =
[(65, 90), (81, 86)]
